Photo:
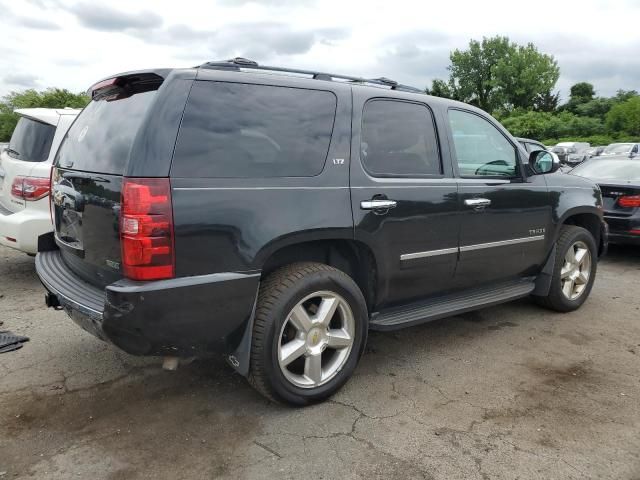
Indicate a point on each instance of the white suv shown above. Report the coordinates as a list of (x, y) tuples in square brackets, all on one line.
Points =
[(25, 168)]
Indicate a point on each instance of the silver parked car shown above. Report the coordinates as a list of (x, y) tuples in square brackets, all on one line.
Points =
[(628, 149)]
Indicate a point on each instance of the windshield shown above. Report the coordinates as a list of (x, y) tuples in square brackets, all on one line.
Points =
[(618, 148), (101, 137), (31, 140), (620, 170)]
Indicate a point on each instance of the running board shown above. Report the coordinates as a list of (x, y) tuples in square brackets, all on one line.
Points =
[(425, 311)]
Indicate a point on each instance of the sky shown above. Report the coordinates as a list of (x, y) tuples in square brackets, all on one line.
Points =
[(72, 44)]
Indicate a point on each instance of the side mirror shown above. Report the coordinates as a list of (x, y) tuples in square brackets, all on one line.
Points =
[(542, 161)]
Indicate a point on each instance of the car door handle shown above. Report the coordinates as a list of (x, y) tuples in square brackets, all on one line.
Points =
[(378, 204), (478, 204)]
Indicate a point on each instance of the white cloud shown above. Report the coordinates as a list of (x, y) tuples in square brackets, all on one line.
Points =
[(71, 44)]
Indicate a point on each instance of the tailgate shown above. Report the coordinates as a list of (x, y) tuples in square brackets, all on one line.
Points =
[(86, 212), (88, 175)]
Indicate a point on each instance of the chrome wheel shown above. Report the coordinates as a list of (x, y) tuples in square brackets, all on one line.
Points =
[(316, 339), (576, 270)]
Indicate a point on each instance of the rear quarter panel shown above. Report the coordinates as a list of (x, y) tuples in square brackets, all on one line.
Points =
[(235, 224)]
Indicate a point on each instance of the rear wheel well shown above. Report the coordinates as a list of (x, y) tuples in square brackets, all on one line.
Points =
[(352, 257), (589, 222)]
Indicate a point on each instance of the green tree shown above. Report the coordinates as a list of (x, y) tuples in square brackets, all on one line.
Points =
[(471, 71), (440, 88), (50, 98), (524, 74), (625, 117), (547, 101), (499, 74), (582, 92)]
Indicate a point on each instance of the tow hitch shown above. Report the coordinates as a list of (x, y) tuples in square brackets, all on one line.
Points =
[(51, 301)]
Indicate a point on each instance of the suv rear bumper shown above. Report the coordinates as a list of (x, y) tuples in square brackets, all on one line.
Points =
[(20, 230), (189, 316)]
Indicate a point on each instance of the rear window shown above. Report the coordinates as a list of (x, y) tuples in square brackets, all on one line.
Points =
[(234, 130), (31, 140), (101, 137)]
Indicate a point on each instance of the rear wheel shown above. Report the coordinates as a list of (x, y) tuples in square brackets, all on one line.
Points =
[(574, 271), (309, 332)]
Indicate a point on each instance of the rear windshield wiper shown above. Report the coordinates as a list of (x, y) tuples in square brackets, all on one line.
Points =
[(12, 152)]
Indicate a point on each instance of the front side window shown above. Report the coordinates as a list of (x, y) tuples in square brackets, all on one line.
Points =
[(399, 138), (235, 130), (31, 140), (481, 149)]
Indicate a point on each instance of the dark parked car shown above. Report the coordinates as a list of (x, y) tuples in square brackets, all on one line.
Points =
[(275, 216), (619, 180), (531, 145), (571, 153)]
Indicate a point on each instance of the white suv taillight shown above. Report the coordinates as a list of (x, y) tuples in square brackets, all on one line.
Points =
[(146, 229), (30, 188)]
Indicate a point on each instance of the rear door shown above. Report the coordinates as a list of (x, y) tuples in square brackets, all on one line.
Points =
[(30, 145), (404, 198), (504, 215)]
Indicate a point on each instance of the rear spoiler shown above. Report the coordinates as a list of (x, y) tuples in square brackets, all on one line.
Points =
[(126, 84)]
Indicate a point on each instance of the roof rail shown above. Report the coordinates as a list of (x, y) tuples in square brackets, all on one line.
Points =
[(240, 63)]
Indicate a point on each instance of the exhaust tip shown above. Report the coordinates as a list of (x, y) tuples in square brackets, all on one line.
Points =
[(170, 363)]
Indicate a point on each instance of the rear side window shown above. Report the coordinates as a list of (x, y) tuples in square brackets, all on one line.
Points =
[(101, 137), (399, 138), (31, 140), (234, 130)]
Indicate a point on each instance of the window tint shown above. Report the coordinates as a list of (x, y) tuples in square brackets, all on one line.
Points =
[(481, 149), (399, 138), (31, 140), (101, 137), (238, 130)]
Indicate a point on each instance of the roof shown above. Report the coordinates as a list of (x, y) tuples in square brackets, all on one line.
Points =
[(46, 115), (240, 63)]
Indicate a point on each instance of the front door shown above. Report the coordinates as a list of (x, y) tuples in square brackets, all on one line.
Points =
[(504, 215), (404, 197)]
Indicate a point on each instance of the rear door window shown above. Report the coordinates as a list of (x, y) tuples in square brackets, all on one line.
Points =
[(31, 140), (235, 130), (399, 139)]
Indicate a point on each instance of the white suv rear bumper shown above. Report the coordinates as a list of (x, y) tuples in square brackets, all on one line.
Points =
[(20, 230)]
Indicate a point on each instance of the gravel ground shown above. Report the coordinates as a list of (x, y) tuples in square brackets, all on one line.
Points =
[(508, 392)]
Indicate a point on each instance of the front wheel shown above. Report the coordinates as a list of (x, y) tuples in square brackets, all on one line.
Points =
[(574, 271), (309, 332)]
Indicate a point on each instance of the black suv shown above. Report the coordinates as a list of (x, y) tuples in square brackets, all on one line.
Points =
[(275, 216)]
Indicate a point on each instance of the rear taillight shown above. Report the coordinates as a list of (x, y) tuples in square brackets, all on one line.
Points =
[(30, 188), (146, 229), (629, 201)]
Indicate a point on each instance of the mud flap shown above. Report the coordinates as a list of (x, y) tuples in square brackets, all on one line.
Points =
[(240, 358), (543, 280)]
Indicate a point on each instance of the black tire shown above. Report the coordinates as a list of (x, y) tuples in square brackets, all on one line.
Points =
[(556, 299), (279, 293)]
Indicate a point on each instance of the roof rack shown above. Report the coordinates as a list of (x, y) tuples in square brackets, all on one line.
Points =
[(240, 63)]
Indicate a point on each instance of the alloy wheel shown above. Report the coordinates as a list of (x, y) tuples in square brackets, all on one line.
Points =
[(576, 270), (316, 339)]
